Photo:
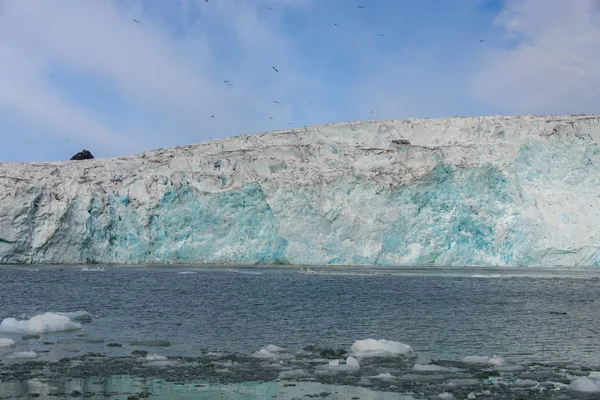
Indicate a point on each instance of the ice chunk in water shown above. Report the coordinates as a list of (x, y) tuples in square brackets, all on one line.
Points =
[(432, 368), (585, 385), (48, 322), (154, 357), (379, 348), (272, 352), (273, 349), (494, 360), (351, 362), (525, 383), (335, 366), (21, 355), (81, 316), (4, 342), (386, 375), (446, 396)]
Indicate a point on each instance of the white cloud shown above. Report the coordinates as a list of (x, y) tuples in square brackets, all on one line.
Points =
[(175, 82), (554, 68)]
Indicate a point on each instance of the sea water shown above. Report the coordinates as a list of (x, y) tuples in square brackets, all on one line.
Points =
[(254, 333)]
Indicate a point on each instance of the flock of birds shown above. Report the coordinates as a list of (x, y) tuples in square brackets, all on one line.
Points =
[(228, 83)]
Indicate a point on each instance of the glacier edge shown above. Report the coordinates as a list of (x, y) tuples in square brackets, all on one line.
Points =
[(487, 191)]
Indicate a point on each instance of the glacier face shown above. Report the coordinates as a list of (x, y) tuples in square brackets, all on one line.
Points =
[(451, 191)]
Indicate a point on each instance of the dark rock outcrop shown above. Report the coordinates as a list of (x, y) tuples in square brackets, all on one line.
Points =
[(83, 155)]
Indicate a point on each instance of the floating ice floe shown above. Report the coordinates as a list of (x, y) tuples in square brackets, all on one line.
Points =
[(432, 368), (4, 342), (335, 366), (48, 322), (445, 396), (186, 273), (272, 352), (494, 360), (90, 269), (21, 355), (379, 348), (154, 357), (525, 383), (384, 376), (585, 385), (80, 316)]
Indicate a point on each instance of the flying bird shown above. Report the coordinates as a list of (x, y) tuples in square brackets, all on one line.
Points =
[(135, 20), (206, 1), (371, 112), (481, 40), (276, 70), (212, 116), (381, 34), (310, 102), (270, 117), (276, 102), (226, 81), (361, 7), (335, 23)]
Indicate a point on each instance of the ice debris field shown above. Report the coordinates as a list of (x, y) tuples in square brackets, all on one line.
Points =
[(450, 191), (384, 368)]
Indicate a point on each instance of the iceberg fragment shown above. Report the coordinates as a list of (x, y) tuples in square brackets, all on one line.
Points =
[(47, 322), (379, 348)]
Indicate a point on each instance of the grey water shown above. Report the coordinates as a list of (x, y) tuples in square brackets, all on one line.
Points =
[(542, 322)]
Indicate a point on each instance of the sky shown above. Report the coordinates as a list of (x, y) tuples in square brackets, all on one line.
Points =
[(80, 74)]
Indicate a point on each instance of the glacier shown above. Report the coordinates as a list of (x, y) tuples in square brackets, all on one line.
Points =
[(480, 191)]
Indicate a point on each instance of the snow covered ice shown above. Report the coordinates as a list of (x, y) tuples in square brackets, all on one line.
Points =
[(20, 355), (490, 191), (5, 342), (585, 385), (48, 322), (379, 348)]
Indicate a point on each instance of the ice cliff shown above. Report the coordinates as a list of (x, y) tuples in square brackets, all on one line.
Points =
[(452, 191)]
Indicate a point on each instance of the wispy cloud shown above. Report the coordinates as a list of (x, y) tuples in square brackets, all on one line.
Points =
[(552, 60), (77, 74)]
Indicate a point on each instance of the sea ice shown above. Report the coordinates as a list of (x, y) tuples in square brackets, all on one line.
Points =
[(21, 355), (335, 366), (48, 322), (494, 360), (525, 383), (432, 368), (446, 396), (90, 269), (585, 384), (272, 352), (273, 349), (4, 342), (379, 348), (154, 357), (384, 376), (81, 316)]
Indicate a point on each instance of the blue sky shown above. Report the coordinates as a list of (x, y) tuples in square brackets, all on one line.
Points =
[(82, 74)]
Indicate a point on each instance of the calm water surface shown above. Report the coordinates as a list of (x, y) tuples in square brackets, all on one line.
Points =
[(526, 316)]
